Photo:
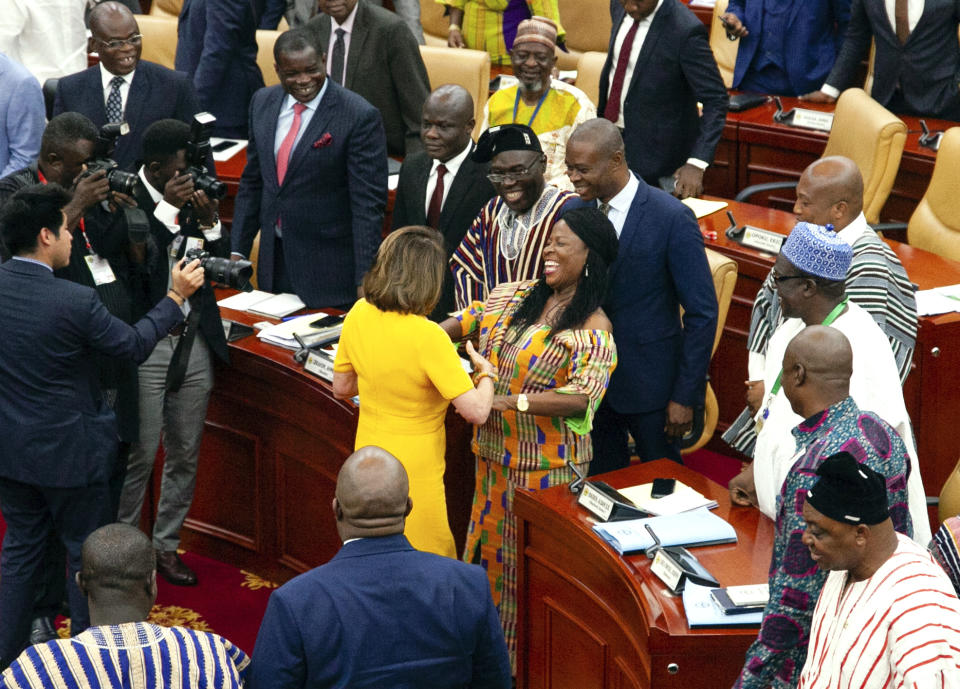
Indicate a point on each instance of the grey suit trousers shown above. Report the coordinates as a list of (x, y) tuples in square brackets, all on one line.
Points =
[(409, 12), (178, 418)]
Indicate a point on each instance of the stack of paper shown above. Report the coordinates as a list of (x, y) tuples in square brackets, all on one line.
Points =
[(682, 499), (263, 303), (697, 527), (282, 334), (931, 302), (742, 600), (702, 208), (702, 610)]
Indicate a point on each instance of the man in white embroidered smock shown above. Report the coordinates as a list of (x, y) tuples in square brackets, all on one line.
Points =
[(809, 275), (550, 107)]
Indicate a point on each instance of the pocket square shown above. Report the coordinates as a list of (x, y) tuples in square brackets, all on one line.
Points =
[(324, 140)]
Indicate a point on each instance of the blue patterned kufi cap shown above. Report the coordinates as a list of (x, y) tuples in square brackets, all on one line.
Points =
[(818, 251)]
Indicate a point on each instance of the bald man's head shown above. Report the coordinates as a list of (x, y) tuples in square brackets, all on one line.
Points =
[(447, 122), (596, 160), (372, 496), (118, 564), (817, 366), (115, 37), (830, 192)]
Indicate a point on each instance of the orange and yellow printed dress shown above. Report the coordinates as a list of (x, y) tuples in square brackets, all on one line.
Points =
[(407, 373), (520, 449)]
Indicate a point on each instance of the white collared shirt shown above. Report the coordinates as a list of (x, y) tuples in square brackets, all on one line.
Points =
[(620, 204), (106, 78), (286, 119), (453, 166), (45, 36), (167, 213), (347, 26)]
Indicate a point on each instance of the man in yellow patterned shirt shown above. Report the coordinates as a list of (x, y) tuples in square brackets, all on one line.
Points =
[(491, 25), (550, 107)]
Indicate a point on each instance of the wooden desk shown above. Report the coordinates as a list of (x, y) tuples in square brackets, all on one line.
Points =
[(273, 443), (590, 618), (755, 149), (931, 391)]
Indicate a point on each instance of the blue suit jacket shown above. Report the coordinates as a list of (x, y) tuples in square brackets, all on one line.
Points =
[(660, 266), (381, 614), (675, 69), (217, 47), (57, 430), (814, 32), (156, 93), (331, 202)]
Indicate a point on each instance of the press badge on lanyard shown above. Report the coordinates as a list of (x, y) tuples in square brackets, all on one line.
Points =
[(99, 268)]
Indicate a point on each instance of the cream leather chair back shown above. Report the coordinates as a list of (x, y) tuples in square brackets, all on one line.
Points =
[(169, 8), (265, 40), (467, 68), (587, 23), (159, 38), (935, 224), (724, 272), (724, 50), (434, 23), (873, 137), (588, 74)]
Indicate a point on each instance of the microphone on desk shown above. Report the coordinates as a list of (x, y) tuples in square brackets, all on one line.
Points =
[(732, 232), (929, 139), (576, 485)]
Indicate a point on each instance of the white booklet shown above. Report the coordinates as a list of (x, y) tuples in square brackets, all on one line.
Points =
[(697, 527), (682, 499), (263, 303)]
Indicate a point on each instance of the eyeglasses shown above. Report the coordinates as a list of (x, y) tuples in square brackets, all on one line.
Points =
[(513, 175), (783, 278), (134, 40)]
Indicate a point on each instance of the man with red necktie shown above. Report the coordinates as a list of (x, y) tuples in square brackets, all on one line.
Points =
[(315, 183), (659, 66)]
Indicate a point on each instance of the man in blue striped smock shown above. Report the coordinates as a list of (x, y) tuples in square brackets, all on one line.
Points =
[(830, 192), (120, 649)]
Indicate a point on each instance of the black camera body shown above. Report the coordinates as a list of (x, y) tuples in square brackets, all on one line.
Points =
[(235, 274), (198, 148), (119, 180)]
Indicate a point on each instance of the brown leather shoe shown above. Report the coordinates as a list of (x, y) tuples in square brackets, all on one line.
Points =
[(172, 568)]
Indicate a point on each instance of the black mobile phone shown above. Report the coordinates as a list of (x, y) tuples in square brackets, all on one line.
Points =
[(222, 146), (327, 321), (662, 487)]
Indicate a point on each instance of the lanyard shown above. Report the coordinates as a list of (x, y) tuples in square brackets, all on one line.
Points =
[(831, 317), (516, 106)]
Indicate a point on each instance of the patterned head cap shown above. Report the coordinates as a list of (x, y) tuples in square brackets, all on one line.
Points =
[(818, 251), (848, 491), (538, 30), (505, 137)]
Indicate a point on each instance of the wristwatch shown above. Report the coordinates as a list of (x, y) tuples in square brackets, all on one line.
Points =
[(522, 402)]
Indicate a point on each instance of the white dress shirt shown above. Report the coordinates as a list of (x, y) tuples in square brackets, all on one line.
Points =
[(45, 36), (286, 119), (167, 213), (914, 12), (453, 166), (620, 204), (106, 77), (347, 26)]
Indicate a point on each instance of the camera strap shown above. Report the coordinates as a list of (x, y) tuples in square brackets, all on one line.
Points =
[(177, 370)]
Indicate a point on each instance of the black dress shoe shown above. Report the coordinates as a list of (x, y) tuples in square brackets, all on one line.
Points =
[(42, 630), (172, 568)]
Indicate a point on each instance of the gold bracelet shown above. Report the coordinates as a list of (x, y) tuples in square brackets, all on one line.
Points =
[(485, 374), (454, 27)]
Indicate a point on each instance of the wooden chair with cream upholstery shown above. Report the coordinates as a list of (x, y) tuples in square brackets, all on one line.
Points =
[(724, 272), (159, 38), (871, 136), (467, 68), (255, 258), (434, 23), (265, 40), (587, 23), (724, 50), (165, 8), (935, 224), (588, 74)]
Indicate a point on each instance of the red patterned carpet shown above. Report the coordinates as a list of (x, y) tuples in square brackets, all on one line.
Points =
[(231, 602)]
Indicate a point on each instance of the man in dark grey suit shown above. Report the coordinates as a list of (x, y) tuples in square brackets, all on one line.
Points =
[(49, 394), (315, 184), (377, 57), (917, 62), (450, 201)]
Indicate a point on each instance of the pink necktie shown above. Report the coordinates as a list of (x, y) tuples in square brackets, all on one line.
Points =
[(286, 146)]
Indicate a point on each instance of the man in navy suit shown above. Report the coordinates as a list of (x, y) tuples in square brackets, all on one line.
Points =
[(660, 267), (145, 92), (217, 47), (449, 202), (380, 614), (60, 436), (315, 184), (917, 59), (786, 48), (659, 66)]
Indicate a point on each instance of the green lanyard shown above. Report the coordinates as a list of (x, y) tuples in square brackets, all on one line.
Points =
[(831, 317)]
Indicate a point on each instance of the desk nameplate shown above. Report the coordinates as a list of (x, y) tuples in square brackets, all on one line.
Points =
[(599, 504), (812, 119), (762, 240), (320, 366)]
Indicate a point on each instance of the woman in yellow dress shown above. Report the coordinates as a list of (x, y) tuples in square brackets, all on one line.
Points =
[(407, 371)]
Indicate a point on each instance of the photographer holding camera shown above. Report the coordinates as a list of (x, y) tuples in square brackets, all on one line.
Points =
[(175, 191)]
